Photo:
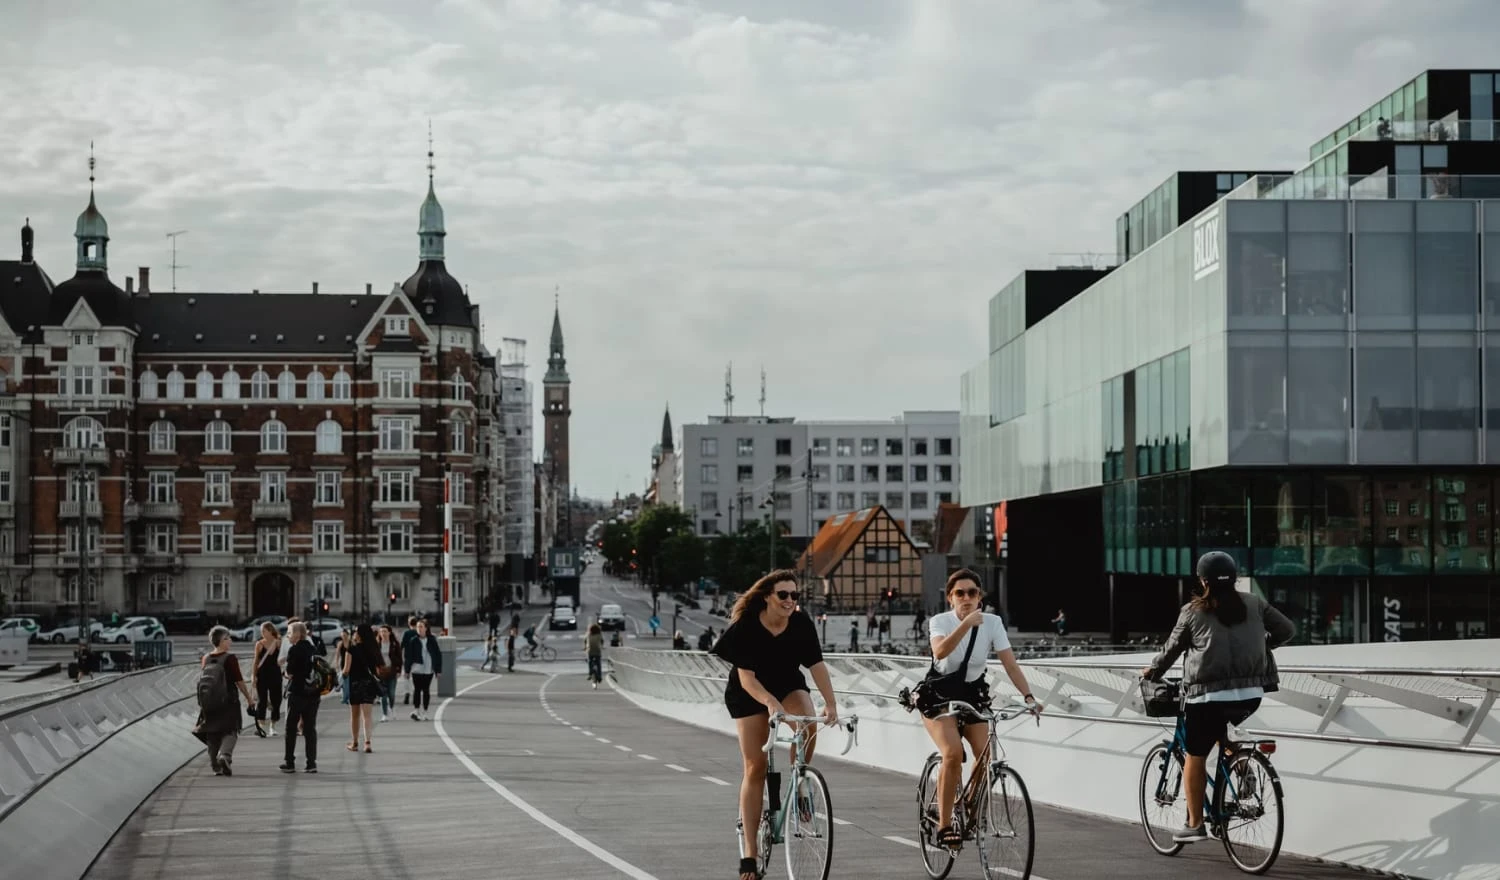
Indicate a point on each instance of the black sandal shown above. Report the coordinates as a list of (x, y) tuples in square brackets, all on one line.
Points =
[(949, 837), (751, 867)]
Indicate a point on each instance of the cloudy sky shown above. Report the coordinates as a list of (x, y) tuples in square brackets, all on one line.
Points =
[(829, 189)]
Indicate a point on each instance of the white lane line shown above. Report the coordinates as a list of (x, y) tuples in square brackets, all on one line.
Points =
[(645, 757), (838, 821), (601, 739), (678, 767), (902, 840), (625, 748), (714, 779), (521, 804)]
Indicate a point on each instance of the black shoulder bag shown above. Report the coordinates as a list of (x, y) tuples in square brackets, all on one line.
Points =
[(937, 688)]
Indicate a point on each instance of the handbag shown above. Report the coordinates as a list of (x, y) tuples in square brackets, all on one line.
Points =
[(937, 688)]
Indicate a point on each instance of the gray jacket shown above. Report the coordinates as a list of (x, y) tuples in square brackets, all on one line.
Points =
[(1221, 657)]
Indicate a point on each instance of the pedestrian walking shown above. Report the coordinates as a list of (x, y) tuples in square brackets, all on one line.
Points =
[(407, 638), (361, 660), (594, 648), (423, 660), (854, 636), (266, 676), (491, 654), (220, 717), (389, 671), (340, 662), (494, 623), (302, 699), (510, 647)]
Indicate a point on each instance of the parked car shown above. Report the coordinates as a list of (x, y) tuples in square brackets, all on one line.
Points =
[(134, 629), (67, 631), (611, 617), (249, 631), (563, 617), (19, 626), (188, 623)]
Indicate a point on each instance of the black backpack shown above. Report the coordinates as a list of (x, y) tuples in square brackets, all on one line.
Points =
[(213, 684)]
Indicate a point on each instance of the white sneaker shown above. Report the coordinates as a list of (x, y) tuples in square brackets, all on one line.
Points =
[(384, 717), (273, 730)]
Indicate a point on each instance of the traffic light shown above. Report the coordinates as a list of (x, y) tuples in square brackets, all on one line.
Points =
[(324, 606), (393, 597)]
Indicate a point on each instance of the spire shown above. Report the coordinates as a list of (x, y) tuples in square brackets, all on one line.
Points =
[(92, 232), (666, 430), (430, 230), (557, 364), (28, 241)]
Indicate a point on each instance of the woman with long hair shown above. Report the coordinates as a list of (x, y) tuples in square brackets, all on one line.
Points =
[(361, 660), (963, 640), (767, 642), (265, 674), (1227, 637), (389, 670)]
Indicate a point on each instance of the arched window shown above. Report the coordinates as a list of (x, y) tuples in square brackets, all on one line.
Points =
[(260, 385), (83, 433), (163, 436), (205, 383), (286, 385), (176, 385), (216, 436), (315, 385), (273, 436), (342, 389), (460, 387), (150, 389), (330, 437), (230, 385)]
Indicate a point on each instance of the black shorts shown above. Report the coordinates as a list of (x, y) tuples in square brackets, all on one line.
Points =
[(742, 705), (976, 693), (1206, 723)]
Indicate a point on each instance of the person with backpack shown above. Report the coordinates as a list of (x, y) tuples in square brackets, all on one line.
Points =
[(304, 693), (219, 714)]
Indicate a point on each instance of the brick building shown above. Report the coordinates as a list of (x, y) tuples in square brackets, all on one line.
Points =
[(244, 453)]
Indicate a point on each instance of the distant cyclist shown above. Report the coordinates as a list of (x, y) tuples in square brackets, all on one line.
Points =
[(1227, 637)]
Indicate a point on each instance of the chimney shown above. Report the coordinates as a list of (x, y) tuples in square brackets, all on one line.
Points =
[(315, 287), (26, 242), (145, 280), (129, 285), (368, 288)]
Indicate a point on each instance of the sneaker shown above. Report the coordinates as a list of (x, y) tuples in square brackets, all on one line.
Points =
[(217, 767), (1189, 834), (288, 767), (384, 717), (312, 768), (225, 766), (273, 730)]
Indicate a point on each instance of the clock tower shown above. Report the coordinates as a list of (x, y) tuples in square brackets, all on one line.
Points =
[(556, 409)]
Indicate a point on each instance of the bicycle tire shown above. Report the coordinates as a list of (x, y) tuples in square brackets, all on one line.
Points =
[(1273, 784), (548, 653), (1156, 778), (1017, 809), (813, 783), (938, 860)]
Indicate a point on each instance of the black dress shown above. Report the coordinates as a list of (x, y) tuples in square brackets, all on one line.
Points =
[(776, 660), (364, 687)]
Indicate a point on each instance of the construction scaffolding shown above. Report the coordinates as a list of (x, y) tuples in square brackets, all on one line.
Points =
[(516, 419)]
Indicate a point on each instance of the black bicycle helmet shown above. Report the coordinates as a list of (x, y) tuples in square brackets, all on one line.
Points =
[(1218, 566)]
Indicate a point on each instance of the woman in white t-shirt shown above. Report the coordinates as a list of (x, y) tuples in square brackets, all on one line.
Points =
[(951, 633)]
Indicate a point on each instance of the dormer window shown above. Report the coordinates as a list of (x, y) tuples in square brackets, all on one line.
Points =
[(83, 339), (397, 326)]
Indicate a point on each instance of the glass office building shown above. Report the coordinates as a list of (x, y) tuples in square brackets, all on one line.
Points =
[(1306, 377)]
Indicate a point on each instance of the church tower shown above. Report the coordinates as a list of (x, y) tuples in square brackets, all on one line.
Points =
[(556, 408)]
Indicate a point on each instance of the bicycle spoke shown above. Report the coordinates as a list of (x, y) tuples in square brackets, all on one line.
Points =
[(938, 860), (809, 828), (1249, 806), (1163, 807), (1004, 828)]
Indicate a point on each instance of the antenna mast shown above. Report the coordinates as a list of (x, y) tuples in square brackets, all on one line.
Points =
[(176, 265), (762, 392), (729, 390)]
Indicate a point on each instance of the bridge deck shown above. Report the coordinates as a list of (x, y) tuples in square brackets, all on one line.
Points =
[(504, 785)]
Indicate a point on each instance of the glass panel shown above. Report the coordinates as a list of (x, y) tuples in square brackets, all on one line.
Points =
[(1184, 409), (1399, 610), (1398, 106), (1128, 527), (1117, 390), (1223, 514), (1447, 398), (1168, 413), (1257, 398), (1434, 157), (1384, 265), (1325, 611), (1385, 397), (1409, 97), (1106, 433), (1149, 526), (1257, 255), (1447, 261), (1279, 524), (1153, 417), (1461, 523), (1341, 525), (1460, 607), (1492, 264), (1142, 460), (1492, 398), (1318, 398), (1401, 525), (1317, 265)]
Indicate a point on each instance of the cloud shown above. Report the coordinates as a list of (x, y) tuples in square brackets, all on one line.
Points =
[(831, 190)]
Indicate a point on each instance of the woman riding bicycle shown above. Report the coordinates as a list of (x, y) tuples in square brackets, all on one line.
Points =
[(1227, 637), (966, 630), (767, 640)]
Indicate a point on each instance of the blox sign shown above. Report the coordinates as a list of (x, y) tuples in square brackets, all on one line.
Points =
[(1206, 245)]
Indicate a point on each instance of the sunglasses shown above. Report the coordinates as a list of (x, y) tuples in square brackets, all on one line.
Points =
[(967, 593), (785, 595)]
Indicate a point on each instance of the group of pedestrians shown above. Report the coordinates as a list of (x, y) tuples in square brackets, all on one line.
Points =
[(369, 661)]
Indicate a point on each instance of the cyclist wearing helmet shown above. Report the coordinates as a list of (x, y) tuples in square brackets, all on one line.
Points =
[(1226, 636)]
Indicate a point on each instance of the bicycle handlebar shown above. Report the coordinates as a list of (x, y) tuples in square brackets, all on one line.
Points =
[(1011, 709), (850, 725)]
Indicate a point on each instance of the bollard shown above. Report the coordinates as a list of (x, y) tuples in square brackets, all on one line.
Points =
[(447, 682)]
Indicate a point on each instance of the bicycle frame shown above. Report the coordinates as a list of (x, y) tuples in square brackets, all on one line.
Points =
[(986, 763), (780, 799), (1178, 747)]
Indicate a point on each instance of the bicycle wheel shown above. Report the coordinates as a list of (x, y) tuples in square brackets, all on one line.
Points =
[(1004, 830), (937, 859), (1161, 788), (548, 653), (809, 828), (1249, 806)]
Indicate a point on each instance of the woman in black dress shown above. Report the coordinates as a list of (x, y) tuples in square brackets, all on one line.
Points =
[(768, 640), (361, 664)]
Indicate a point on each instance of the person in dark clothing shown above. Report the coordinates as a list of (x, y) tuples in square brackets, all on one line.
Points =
[(361, 660), (266, 675), (219, 726), (302, 700), (407, 640), (423, 661), (510, 648), (494, 622)]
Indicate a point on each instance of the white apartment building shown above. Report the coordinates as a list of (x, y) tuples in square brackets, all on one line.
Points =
[(746, 466)]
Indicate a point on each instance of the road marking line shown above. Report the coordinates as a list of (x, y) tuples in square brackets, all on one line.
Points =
[(679, 768), (625, 748), (838, 821), (714, 779), (521, 804), (645, 757), (601, 739), (911, 843)]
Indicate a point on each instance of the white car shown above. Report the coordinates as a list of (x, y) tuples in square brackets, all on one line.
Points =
[(251, 631), (68, 632), (134, 629), (611, 617), (18, 626), (327, 630)]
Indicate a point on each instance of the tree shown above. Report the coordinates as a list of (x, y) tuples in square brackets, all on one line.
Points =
[(681, 560), (618, 541), (739, 560), (651, 530)]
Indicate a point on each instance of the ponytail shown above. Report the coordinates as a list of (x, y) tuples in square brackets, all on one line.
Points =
[(1221, 599)]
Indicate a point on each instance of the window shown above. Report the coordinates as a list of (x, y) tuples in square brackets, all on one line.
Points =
[(85, 489), (204, 385), (396, 487), (5, 432), (919, 473), (783, 501), (74, 535), (944, 446), (1384, 264), (150, 387), (215, 487), (82, 384), (218, 588), (820, 473), (820, 447), (460, 584), (161, 588), (229, 385), (162, 436), (286, 385), (460, 537), (342, 387), (328, 537), (260, 385), (161, 539), (176, 385), (919, 501), (218, 537), (945, 473), (919, 446), (708, 473), (329, 488), (708, 501), (4, 489), (161, 487), (783, 472), (869, 446), (83, 339), (708, 527), (395, 384), (330, 437), (895, 500), (869, 499), (315, 389), (783, 446), (894, 473), (397, 325), (821, 501), (845, 501), (945, 497), (273, 437), (330, 586), (395, 435), (273, 486), (271, 539), (395, 537), (398, 585), (458, 488), (459, 432), (216, 436), (745, 473), (845, 473), (744, 446), (894, 446), (844, 447), (83, 433), (870, 473), (882, 554), (708, 447), (71, 594), (460, 388)]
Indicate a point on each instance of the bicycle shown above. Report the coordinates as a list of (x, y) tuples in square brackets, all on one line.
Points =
[(540, 649), (1002, 827), (812, 822), (1242, 788)]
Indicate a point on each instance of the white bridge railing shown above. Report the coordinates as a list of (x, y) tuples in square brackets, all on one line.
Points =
[(1391, 768)]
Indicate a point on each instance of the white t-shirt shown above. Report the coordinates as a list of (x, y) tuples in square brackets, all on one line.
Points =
[(992, 637)]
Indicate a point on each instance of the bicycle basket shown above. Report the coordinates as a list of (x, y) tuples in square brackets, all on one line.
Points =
[(1161, 699)]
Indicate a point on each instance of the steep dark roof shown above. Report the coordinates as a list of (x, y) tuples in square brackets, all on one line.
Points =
[(111, 305), (438, 296), (306, 323), (25, 293)]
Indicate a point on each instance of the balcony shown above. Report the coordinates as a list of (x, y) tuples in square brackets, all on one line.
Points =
[(154, 560), (77, 509), (273, 560), (152, 510), (93, 455), (271, 510)]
